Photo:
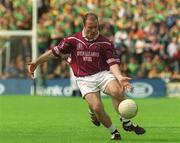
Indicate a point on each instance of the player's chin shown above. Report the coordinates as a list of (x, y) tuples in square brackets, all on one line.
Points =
[(91, 36)]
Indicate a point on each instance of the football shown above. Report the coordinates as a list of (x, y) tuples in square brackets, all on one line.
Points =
[(128, 108)]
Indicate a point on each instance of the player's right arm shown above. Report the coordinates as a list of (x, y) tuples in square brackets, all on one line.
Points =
[(41, 59), (63, 48)]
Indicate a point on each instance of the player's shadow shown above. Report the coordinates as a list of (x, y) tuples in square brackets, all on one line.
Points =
[(165, 127), (156, 140), (163, 140)]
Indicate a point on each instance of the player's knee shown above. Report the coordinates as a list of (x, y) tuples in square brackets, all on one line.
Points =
[(97, 108), (116, 91)]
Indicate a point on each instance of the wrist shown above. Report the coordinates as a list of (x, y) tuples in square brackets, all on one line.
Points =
[(35, 63), (120, 77)]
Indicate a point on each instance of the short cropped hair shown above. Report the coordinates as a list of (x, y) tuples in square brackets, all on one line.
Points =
[(89, 15)]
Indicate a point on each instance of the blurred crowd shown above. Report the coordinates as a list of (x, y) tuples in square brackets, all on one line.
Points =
[(15, 14), (146, 33)]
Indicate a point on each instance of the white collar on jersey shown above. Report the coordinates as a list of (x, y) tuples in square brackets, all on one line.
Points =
[(84, 36)]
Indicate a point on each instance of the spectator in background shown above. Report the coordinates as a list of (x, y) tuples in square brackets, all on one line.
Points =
[(172, 47), (159, 63), (108, 30), (171, 21), (19, 64), (61, 71), (42, 6), (166, 75), (10, 71), (133, 67), (154, 46), (140, 46), (147, 65), (175, 76), (153, 72), (43, 37)]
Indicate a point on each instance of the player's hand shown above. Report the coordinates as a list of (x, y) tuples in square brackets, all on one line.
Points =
[(124, 81), (31, 68)]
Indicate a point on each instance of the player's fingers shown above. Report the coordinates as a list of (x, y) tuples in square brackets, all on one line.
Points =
[(31, 69), (32, 75), (127, 78), (129, 88)]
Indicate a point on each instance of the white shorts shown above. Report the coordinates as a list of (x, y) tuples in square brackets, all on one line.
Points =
[(94, 83), (73, 81)]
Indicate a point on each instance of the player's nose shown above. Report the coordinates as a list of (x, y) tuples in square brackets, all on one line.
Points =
[(94, 30)]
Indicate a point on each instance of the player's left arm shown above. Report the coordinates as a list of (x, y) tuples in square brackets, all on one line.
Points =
[(123, 80), (113, 61)]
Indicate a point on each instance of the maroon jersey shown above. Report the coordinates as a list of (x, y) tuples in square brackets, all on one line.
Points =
[(87, 57)]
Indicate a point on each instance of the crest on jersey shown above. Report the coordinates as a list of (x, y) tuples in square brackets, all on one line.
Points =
[(79, 46)]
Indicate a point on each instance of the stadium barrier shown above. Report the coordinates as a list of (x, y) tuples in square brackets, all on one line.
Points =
[(15, 87), (61, 87), (143, 88), (55, 87), (173, 89)]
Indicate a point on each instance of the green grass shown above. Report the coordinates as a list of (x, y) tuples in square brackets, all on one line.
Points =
[(33, 119)]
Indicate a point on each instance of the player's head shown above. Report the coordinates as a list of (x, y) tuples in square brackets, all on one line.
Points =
[(91, 25)]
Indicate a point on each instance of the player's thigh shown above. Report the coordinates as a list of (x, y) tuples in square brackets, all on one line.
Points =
[(94, 101), (114, 89), (87, 85)]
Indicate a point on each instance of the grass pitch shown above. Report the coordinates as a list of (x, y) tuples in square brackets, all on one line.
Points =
[(33, 119)]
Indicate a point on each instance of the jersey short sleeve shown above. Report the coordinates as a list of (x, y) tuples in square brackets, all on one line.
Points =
[(64, 47), (111, 55)]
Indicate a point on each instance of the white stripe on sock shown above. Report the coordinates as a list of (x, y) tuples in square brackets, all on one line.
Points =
[(124, 119), (128, 124), (112, 128), (90, 111)]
